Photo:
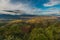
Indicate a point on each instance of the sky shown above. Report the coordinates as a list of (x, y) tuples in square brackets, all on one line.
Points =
[(36, 7)]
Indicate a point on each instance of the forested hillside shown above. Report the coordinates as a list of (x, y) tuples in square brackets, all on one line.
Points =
[(33, 29)]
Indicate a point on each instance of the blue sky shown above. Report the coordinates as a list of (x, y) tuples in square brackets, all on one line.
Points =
[(38, 3), (37, 7), (32, 3)]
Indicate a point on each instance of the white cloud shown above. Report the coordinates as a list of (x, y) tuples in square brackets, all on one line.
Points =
[(6, 5), (52, 3)]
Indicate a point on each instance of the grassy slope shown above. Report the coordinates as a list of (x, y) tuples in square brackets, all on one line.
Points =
[(34, 29)]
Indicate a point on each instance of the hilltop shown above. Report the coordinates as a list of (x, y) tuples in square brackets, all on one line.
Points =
[(42, 18)]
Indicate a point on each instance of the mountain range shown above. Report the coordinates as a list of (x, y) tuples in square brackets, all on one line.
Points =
[(22, 16)]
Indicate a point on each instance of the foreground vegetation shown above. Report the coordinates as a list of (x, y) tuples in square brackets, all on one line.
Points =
[(30, 30)]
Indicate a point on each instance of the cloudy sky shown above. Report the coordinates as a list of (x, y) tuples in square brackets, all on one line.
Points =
[(37, 7)]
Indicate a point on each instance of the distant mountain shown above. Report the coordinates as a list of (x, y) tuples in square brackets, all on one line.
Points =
[(7, 16), (50, 15), (55, 14), (22, 16), (26, 15)]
